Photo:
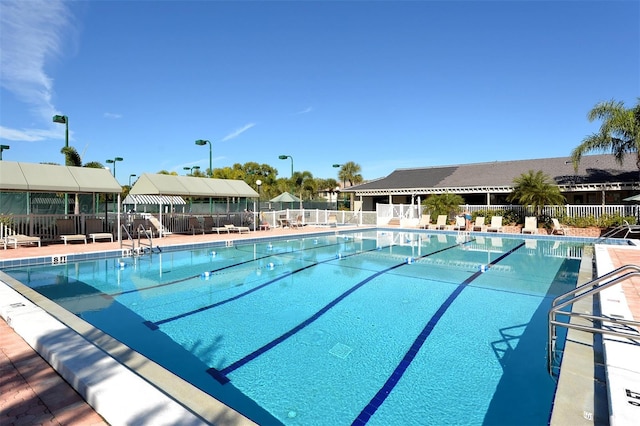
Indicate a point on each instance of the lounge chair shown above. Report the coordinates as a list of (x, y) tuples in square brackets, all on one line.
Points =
[(332, 220), (209, 224), (95, 230), (16, 240), (195, 225), (264, 226), (530, 225), (558, 229), (425, 221), (496, 224), (631, 229), (461, 224), (140, 226), (479, 224), (156, 227), (238, 229), (67, 231), (441, 222)]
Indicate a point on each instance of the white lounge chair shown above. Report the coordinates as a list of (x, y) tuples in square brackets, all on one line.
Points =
[(558, 228), (16, 240), (530, 225), (441, 222), (95, 230), (461, 224), (67, 231), (496, 224), (425, 221), (238, 229), (631, 229), (479, 224)]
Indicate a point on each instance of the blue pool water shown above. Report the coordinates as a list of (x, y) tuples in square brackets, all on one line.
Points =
[(372, 327)]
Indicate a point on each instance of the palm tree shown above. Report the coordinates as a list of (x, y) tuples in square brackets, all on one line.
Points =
[(448, 204), (535, 189), (350, 171), (619, 132)]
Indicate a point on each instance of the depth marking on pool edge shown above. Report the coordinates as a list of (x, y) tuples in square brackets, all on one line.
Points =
[(221, 375), (399, 371)]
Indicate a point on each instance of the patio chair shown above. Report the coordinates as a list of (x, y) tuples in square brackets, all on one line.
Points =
[(67, 231), (95, 230), (195, 225), (441, 222), (479, 224), (558, 228), (631, 229), (461, 224), (238, 229), (210, 224), (16, 240), (332, 220), (425, 221), (139, 226), (496, 224), (530, 225)]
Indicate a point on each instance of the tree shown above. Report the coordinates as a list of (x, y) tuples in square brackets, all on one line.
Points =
[(535, 189), (350, 171), (619, 132), (72, 158), (448, 204)]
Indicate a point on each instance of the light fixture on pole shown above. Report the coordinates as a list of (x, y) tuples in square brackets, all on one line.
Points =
[(203, 142), (114, 161), (259, 184), (284, 157), (2, 148), (191, 169), (130, 176), (344, 183), (63, 119)]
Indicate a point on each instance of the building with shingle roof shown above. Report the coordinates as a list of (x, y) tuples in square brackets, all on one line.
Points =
[(600, 179)]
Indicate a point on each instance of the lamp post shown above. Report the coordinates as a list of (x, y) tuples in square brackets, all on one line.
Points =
[(63, 119), (130, 176), (114, 161), (203, 142), (259, 183), (284, 157), (191, 169), (344, 182), (2, 148)]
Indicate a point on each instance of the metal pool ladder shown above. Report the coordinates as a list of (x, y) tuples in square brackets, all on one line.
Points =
[(131, 242), (588, 289)]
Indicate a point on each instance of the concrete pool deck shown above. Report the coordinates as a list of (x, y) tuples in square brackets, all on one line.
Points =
[(12, 404)]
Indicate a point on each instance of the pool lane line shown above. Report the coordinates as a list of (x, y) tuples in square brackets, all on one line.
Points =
[(415, 347), (221, 375), (154, 325), (181, 280)]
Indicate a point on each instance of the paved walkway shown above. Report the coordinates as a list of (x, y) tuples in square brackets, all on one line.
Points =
[(31, 392)]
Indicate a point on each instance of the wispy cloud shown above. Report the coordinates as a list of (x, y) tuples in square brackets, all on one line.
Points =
[(32, 33), (111, 115), (26, 135), (238, 132), (304, 111)]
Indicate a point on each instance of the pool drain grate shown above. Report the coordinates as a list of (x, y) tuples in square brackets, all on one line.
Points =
[(340, 350)]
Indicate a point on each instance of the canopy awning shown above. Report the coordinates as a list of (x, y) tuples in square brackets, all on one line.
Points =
[(188, 186), (155, 200), (33, 177)]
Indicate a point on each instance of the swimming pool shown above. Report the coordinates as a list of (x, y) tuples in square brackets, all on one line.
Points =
[(373, 327)]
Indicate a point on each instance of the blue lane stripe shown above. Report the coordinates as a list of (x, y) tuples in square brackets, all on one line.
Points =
[(397, 374), (220, 375), (217, 270), (154, 325)]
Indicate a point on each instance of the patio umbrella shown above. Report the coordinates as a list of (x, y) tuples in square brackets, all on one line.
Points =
[(632, 198)]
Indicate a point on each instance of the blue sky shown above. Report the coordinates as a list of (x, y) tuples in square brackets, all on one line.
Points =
[(385, 84)]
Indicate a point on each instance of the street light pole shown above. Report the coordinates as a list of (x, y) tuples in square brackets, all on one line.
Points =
[(259, 183), (2, 148), (130, 176), (116, 159), (63, 119), (203, 142), (284, 157), (191, 169), (344, 183)]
